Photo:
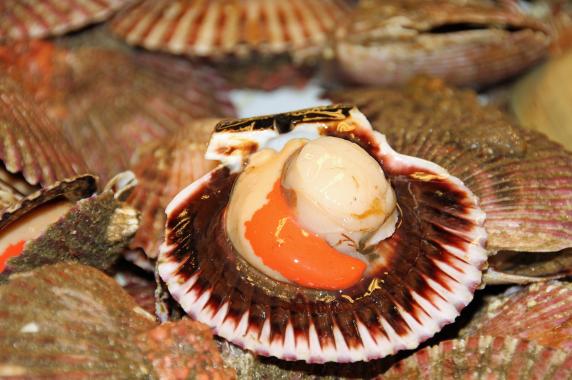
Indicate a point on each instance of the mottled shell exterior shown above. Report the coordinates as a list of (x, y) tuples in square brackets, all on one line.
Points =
[(484, 357), (26, 19), (541, 100), (33, 150), (163, 169), (428, 274), (94, 231), (72, 320), (218, 28), (464, 43), (541, 313), (115, 101), (521, 177)]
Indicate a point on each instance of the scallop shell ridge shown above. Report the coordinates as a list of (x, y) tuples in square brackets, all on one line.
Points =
[(396, 308)]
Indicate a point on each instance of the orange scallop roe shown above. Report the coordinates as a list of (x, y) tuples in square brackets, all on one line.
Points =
[(301, 257), (12, 250)]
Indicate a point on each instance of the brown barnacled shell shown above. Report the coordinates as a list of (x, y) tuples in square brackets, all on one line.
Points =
[(432, 267), (523, 180), (33, 151), (163, 169), (484, 357), (237, 27), (72, 321), (114, 101), (25, 19), (541, 313), (464, 43), (94, 231), (542, 100)]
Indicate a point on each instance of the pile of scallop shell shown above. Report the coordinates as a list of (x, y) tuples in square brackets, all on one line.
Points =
[(418, 227)]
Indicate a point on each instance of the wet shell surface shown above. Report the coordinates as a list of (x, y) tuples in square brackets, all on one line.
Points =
[(33, 150), (115, 101), (163, 169), (464, 43), (521, 177), (237, 27), (542, 100), (421, 276), (25, 19), (541, 313), (93, 230), (484, 357), (72, 321)]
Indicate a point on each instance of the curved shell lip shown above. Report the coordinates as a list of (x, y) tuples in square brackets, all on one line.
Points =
[(73, 189), (451, 296)]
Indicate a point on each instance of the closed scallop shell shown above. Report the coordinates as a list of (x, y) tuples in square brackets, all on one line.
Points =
[(114, 101), (26, 19), (230, 27), (164, 168), (429, 274), (521, 177), (33, 151), (73, 321), (484, 357), (464, 43)]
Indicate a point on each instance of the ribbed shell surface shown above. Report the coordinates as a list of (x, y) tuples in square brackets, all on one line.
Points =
[(484, 357), (235, 27), (25, 19), (30, 143), (164, 168)]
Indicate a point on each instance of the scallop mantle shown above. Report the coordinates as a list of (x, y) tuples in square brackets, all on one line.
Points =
[(424, 274)]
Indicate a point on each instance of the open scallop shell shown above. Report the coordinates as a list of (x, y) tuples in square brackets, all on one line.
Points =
[(115, 101), (33, 151), (25, 19), (523, 180), (163, 169), (484, 357), (72, 321), (237, 27), (541, 313), (433, 265), (94, 231), (464, 43)]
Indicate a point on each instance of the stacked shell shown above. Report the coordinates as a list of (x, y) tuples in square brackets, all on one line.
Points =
[(464, 43), (48, 213), (254, 43), (402, 239), (164, 168), (114, 101)]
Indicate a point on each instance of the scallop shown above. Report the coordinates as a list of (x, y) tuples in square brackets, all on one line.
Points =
[(314, 240)]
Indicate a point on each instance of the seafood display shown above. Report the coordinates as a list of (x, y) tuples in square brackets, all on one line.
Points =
[(285, 189)]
